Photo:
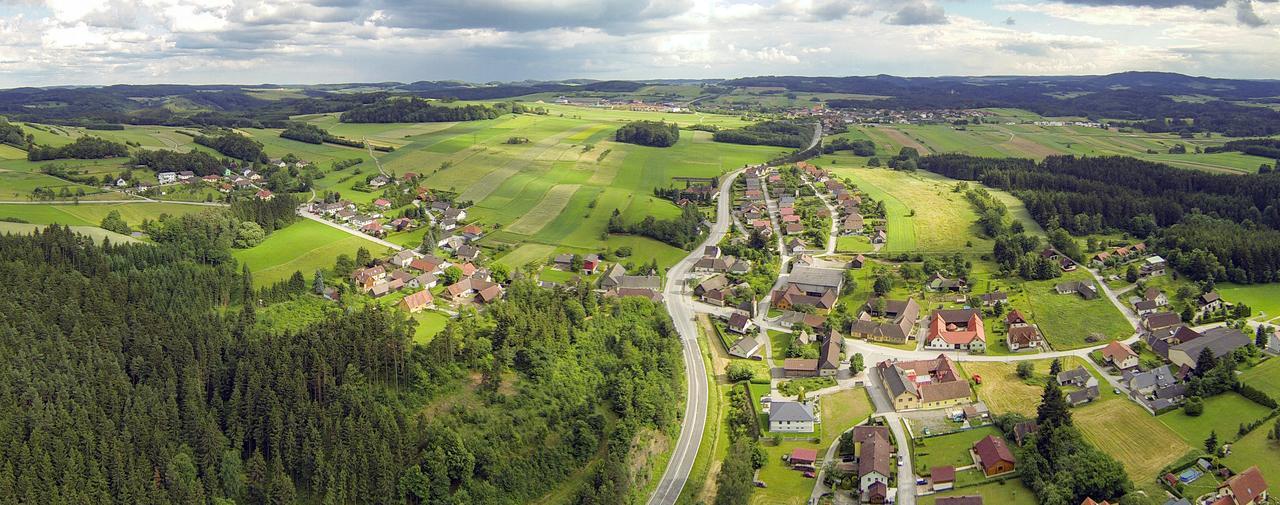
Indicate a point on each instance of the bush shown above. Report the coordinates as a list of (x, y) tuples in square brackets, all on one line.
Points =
[(739, 371), (1194, 406), (649, 133)]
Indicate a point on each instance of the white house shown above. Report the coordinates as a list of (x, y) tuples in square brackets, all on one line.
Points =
[(791, 417), (167, 177)]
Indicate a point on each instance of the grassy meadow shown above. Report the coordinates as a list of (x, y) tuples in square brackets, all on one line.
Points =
[(303, 246)]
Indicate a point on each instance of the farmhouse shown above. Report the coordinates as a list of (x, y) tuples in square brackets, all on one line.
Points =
[(895, 323), (1085, 289), (940, 283), (1120, 355), (799, 367), (993, 456), (959, 329), (791, 417), (1209, 302), (1145, 383), (1145, 307), (874, 454), (1082, 396), (852, 224), (416, 301), (829, 354), (1160, 321), (992, 298), (617, 292), (1154, 294), (1021, 334), (1078, 377), (924, 384), (816, 287), (745, 347)]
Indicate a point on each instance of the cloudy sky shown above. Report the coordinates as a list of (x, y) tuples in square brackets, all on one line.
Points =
[(50, 42)]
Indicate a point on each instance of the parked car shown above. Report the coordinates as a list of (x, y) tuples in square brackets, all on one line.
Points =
[(901, 460), (808, 475)]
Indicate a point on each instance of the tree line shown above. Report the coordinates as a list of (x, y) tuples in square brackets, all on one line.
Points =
[(83, 148), (417, 110), (860, 147), (1209, 225), (200, 162), (1267, 148), (312, 134), (234, 145), (13, 135), (683, 232), (771, 133), (649, 133)]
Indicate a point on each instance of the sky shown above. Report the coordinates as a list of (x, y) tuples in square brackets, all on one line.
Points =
[(79, 42)]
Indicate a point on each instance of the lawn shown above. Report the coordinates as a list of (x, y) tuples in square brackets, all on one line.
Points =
[(948, 450), (1263, 298), (1264, 376), (1256, 449), (430, 323), (1223, 413), (1131, 435), (304, 246), (1004, 492), (853, 244), (1003, 391)]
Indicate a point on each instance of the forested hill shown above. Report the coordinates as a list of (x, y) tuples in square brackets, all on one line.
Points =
[(135, 375)]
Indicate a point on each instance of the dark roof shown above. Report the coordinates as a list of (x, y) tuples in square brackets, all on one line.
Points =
[(874, 456), (959, 500), (992, 450), (830, 355), (1082, 395), (1221, 341), (790, 411), (1024, 429), (942, 474)]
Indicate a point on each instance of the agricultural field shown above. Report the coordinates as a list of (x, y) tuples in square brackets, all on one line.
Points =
[(303, 246), (97, 234), (1264, 376), (91, 214), (1059, 315), (1003, 391), (1132, 436), (1223, 414), (1033, 141)]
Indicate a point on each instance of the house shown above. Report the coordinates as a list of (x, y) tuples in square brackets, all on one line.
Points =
[(1120, 355), (590, 264), (265, 195), (924, 384), (383, 288), (1221, 341), (1245, 488), (829, 354), (942, 478), (893, 323), (1085, 289), (402, 259), (1023, 430), (1160, 321), (852, 224), (1154, 294), (423, 281), (799, 367), (428, 264), (1209, 302), (382, 204), (715, 283), (1082, 396), (563, 262), (959, 500), (745, 347), (617, 292), (720, 265), (879, 237), (1089, 501), (416, 301), (711, 252), (1148, 382), (993, 456), (345, 215), (1023, 338), (365, 275), (994, 297), (794, 228), (874, 466), (166, 177), (1078, 377), (1145, 307), (789, 319), (471, 232), (379, 181), (816, 287), (858, 261), (959, 329), (454, 214), (791, 417), (467, 252), (1153, 266), (739, 323), (940, 283)]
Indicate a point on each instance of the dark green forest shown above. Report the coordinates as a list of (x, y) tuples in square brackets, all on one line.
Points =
[(12, 134), (84, 148), (1209, 226), (234, 145), (136, 374), (648, 133), (769, 133), (416, 110), (162, 160)]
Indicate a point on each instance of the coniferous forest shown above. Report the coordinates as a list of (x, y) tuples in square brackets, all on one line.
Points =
[(134, 374)]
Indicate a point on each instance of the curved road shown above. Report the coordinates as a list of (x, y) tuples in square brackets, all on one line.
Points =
[(680, 305)]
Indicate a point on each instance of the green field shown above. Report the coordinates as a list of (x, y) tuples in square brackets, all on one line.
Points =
[(1131, 435), (1263, 298), (91, 214), (1059, 316), (430, 323), (97, 234), (303, 246), (1264, 376), (1033, 141), (1223, 413), (1003, 391), (840, 411), (1256, 449)]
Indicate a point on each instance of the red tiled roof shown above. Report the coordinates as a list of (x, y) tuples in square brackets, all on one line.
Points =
[(992, 450)]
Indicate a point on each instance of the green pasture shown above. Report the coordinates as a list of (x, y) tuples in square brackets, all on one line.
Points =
[(1263, 298), (97, 234), (1223, 414), (1264, 376), (304, 246), (91, 214)]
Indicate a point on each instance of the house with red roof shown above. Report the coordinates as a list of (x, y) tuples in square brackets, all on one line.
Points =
[(1245, 488), (265, 194), (993, 456), (956, 329), (1120, 355), (416, 301), (382, 204)]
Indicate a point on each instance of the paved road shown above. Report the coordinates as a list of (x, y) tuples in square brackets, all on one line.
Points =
[(682, 315)]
